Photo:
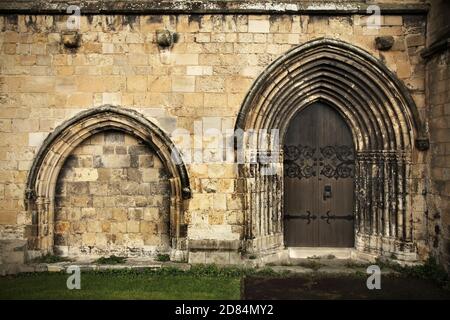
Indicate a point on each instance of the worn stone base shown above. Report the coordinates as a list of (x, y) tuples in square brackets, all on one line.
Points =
[(266, 243), (274, 257), (13, 251), (88, 265), (378, 246), (215, 257), (214, 251), (178, 255), (144, 251)]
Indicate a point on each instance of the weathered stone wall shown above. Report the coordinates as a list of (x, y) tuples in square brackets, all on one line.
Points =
[(112, 198), (199, 83), (438, 99)]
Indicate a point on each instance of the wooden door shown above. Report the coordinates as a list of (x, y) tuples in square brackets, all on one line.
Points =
[(319, 180)]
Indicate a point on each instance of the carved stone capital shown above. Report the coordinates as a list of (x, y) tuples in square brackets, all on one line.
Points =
[(423, 144)]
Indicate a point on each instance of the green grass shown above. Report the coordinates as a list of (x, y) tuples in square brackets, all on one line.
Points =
[(311, 264), (111, 260), (200, 282), (162, 257), (355, 265), (49, 258), (120, 285)]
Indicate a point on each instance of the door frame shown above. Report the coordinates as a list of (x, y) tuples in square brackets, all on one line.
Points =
[(283, 139)]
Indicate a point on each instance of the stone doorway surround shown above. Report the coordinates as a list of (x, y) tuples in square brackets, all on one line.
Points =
[(41, 183), (388, 137)]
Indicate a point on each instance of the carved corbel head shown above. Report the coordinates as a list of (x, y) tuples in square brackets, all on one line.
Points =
[(71, 39), (186, 193), (384, 43), (165, 39), (423, 144)]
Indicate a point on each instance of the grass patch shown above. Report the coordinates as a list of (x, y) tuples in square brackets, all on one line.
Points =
[(199, 282), (198, 270), (110, 285), (111, 260), (430, 270), (162, 257), (311, 264), (355, 265), (217, 271), (50, 258)]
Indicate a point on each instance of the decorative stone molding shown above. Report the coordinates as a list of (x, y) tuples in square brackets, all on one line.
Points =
[(206, 7), (42, 178), (437, 47), (335, 69), (382, 116)]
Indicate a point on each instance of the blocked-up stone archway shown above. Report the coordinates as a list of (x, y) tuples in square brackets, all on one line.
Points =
[(387, 132), (58, 146), (112, 197)]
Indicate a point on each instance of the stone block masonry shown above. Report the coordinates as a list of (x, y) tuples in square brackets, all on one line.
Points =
[(112, 197), (113, 194), (437, 56)]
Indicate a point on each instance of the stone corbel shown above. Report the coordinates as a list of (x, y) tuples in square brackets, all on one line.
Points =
[(384, 43), (165, 40), (71, 39), (422, 143)]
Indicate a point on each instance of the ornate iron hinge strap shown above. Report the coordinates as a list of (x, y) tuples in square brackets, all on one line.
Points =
[(338, 162), (329, 217), (303, 155), (309, 216)]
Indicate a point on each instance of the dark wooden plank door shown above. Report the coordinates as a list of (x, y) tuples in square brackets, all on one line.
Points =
[(319, 172)]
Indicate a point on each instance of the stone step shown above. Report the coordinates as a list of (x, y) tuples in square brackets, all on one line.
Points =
[(335, 253)]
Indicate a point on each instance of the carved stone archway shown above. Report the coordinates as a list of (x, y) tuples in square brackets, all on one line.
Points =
[(42, 178), (386, 127)]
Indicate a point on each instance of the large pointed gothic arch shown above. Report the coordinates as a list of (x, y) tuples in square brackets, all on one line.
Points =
[(386, 128), (43, 175)]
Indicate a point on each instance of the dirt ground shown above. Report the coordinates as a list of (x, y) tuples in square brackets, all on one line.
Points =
[(339, 287)]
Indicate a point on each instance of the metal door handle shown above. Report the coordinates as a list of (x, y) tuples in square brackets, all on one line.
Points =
[(327, 192)]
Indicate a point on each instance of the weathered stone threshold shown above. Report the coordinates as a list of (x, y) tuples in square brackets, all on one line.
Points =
[(204, 7), (88, 265)]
